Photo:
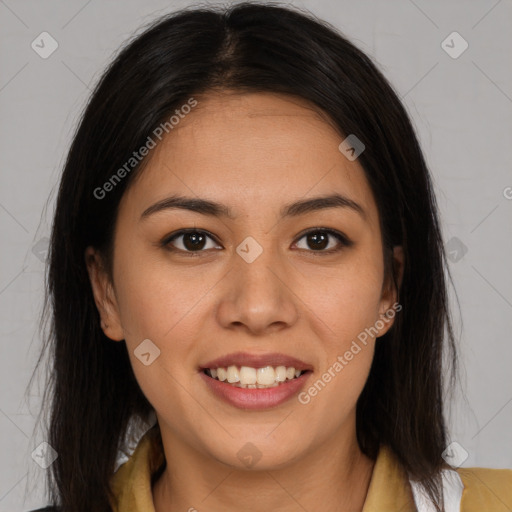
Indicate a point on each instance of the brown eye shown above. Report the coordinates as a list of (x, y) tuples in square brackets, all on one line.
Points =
[(192, 241), (319, 239), (196, 241)]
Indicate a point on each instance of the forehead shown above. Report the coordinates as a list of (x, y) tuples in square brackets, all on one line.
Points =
[(246, 149)]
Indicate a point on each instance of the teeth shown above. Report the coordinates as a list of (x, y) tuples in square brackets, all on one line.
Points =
[(281, 373), (266, 375), (233, 374), (248, 375), (254, 378)]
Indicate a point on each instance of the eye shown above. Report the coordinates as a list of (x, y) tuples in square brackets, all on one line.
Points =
[(193, 240), (318, 239)]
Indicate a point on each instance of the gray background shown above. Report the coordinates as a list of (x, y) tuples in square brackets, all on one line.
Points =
[(462, 109)]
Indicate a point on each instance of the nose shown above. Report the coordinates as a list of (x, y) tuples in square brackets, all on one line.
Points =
[(257, 296)]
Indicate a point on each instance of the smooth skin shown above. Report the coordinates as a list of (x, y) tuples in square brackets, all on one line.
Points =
[(255, 153)]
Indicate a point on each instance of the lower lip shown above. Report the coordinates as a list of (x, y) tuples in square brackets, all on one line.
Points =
[(262, 398)]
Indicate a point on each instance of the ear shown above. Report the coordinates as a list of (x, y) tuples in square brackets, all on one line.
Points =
[(104, 296), (389, 304)]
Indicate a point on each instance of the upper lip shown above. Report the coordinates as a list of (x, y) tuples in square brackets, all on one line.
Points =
[(257, 361)]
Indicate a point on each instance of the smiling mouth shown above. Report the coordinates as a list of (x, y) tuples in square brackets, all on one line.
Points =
[(254, 378)]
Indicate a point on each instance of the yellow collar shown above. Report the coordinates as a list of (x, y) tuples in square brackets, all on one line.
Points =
[(389, 489)]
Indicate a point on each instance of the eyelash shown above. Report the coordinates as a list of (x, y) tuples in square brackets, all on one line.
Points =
[(344, 241)]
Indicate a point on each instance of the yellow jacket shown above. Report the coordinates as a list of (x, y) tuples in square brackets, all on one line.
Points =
[(485, 490)]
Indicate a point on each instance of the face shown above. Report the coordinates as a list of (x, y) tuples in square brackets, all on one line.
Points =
[(267, 285)]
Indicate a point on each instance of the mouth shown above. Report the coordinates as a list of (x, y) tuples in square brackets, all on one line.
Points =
[(255, 381)]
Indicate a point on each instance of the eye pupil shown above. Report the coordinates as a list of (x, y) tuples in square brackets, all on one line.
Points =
[(320, 241), (195, 239)]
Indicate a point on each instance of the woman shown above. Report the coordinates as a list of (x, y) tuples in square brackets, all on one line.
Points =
[(246, 247)]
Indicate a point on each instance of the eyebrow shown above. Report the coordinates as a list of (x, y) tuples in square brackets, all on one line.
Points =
[(214, 209)]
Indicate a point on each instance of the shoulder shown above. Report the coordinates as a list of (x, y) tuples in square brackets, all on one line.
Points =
[(46, 509), (486, 489)]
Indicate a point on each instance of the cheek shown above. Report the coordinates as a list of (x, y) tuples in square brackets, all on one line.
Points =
[(347, 336), (347, 347), (155, 298), (345, 299), (161, 304), (345, 308)]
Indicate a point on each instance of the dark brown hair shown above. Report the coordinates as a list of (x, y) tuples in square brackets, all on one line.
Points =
[(249, 47)]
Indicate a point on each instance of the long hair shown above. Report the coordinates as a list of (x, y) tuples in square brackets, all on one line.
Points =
[(92, 391)]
